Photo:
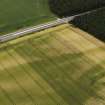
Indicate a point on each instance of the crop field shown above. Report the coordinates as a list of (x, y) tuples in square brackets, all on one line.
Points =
[(16, 14), (58, 66)]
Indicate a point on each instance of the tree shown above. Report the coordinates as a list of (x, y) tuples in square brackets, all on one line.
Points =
[(71, 7)]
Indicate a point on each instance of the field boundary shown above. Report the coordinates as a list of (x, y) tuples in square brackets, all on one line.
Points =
[(23, 32)]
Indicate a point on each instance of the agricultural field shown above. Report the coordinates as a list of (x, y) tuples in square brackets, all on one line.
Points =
[(58, 66), (16, 14)]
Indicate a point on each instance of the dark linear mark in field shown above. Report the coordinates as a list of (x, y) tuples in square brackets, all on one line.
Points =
[(7, 96), (23, 67), (35, 65), (12, 76), (49, 66), (90, 80), (26, 55), (50, 77), (66, 59)]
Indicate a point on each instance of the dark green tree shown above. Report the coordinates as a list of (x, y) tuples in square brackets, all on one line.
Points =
[(93, 23), (71, 7)]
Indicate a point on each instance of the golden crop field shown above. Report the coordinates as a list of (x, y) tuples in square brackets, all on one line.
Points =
[(58, 66)]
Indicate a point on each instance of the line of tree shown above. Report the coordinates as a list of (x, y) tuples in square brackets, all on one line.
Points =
[(71, 7), (93, 23)]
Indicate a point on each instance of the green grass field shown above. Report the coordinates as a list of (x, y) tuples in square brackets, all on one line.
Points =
[(59, 66), (16, 14)]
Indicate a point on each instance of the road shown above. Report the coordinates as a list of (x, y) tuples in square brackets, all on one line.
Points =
[(26, 31)]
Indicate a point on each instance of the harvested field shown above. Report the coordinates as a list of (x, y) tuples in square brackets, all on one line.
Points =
[(58, 66)]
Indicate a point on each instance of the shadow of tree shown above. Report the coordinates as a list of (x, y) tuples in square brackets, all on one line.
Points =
[(93, 23)]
